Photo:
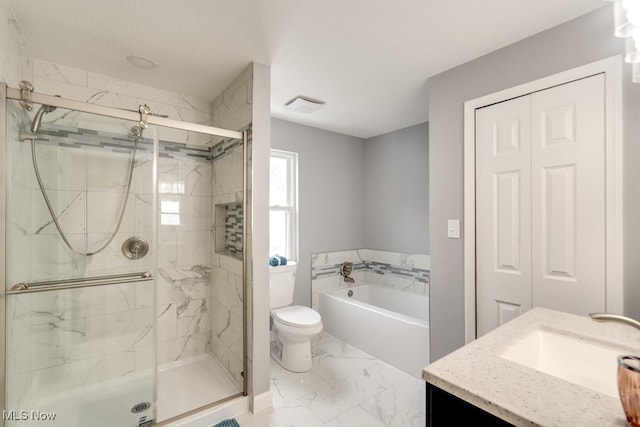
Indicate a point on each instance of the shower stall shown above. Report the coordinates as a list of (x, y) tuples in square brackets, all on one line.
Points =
[(124, 263)]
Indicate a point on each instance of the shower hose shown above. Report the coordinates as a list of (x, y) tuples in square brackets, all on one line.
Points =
[(53, 215)]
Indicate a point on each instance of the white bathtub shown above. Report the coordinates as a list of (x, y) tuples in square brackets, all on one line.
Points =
[(389, 324)]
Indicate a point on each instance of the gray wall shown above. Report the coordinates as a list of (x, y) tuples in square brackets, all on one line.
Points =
[(330, 193), (581, 41), (396, 186), (356, 193)]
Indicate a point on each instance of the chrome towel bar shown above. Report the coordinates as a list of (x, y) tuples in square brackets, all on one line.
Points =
[(81, 282)]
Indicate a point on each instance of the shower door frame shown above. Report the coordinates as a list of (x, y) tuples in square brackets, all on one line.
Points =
[(70, 104), (3, 239)]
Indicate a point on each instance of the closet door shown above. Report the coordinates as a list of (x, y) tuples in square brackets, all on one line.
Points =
[(503, 212), (568, 187), (540, 203)]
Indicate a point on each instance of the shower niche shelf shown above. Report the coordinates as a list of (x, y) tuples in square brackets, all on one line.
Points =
[(228, 229)]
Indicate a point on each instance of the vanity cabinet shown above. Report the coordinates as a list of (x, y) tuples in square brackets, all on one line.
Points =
[(445, 409)]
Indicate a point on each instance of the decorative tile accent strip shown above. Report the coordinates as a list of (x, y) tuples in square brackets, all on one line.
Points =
[(228, 145), (411, 273), (176, 149), (87, 138), (223, 147), (233, 228), (318, 272), (66, 136)]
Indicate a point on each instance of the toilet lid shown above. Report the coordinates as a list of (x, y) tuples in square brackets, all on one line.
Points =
[(297, 315)]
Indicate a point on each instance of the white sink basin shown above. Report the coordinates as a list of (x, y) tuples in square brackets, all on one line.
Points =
[(579, 360)]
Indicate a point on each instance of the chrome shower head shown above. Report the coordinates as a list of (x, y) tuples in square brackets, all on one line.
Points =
[(37, 120)]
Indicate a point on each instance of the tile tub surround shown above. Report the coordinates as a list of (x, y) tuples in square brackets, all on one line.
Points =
[(520, 395), (407, 272)]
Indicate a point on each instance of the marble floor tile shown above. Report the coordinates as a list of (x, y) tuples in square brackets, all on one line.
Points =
[(400, 406), (345, 388), (290, 388), (354, 417), (281, 417), (328, 403)]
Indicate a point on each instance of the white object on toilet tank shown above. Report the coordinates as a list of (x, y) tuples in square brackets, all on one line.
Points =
[(282, 280)]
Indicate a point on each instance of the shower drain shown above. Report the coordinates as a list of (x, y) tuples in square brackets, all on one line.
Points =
[(140, 407)]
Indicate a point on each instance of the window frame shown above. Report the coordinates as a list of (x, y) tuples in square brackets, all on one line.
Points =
[(291, 207)]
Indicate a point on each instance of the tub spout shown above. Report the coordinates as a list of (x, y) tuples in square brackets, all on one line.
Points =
[(604, 317)]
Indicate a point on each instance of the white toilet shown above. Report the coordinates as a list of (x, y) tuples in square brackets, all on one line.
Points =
[(293, 325)]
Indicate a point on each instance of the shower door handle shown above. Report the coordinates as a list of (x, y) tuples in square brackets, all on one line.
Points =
[(85, 282)]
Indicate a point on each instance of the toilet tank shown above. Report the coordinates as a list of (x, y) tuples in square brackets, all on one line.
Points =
[(282, 280)]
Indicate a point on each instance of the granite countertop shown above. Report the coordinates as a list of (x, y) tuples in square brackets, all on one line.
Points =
[(523, 396)]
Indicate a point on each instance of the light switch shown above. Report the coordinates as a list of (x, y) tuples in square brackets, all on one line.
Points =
[(453, 228)]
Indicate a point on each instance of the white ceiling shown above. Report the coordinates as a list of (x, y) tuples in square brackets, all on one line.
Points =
[(368, 59)]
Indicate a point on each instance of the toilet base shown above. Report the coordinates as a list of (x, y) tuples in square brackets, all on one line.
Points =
[(293, 356)]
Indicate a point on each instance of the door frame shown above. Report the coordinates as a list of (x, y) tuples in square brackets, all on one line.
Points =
[(612, 69)]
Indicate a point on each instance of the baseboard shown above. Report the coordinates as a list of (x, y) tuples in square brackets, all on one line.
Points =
[(262, 403)]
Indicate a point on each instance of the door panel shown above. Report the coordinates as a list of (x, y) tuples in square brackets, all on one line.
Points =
[(557, 222), (503, 195), (506, 222), (568, 218)]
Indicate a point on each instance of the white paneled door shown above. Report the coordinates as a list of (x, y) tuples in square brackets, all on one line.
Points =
[(540, 203), (503, 211)]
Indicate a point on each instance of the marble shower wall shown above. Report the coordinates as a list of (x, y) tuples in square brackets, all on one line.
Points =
[(102, 334), (77, 339), (184, 252), (406, 272), (100, 89), (85, 175), (12, 45), (231, 110)]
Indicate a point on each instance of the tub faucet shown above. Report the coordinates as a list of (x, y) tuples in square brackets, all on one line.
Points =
[(345, 270), (603, 317)]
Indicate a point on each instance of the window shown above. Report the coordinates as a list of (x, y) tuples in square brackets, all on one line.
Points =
[(283, 204), (169, 212)]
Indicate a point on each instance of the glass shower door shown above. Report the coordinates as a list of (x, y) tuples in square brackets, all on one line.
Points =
[(200, 271), (81, 262)]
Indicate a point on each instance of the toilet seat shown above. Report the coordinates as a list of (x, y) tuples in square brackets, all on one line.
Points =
[(297, 316)]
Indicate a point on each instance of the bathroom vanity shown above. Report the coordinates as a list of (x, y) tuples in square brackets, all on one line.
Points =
[(544, 368)]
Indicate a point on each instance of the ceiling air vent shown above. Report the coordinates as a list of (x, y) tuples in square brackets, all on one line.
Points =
[(302, 104)]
